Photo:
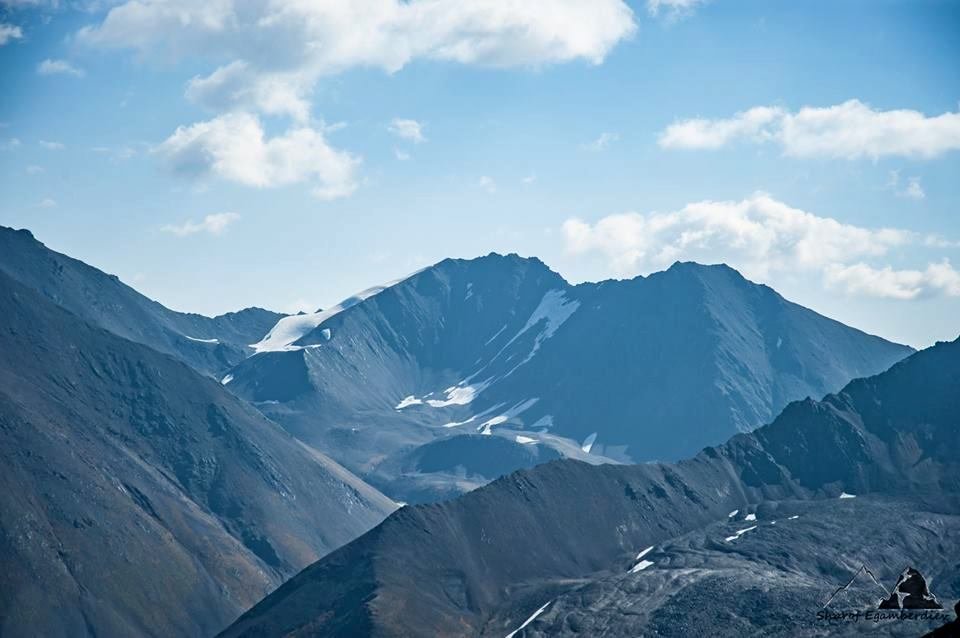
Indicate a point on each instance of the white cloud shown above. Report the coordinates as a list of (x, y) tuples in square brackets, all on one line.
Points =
[(529, 179), (214, 224), (33, 169), (411, 130), (10, 144), (487, 183), (59, 67), (239, 85), (701, 133), (9, 32), (674, 8), (278, 50), (403, 156), (235, 147), (602, 143), (52, 146), (759, 236), (272, 54), (912, 190), (936, 279), (47, 202), (850, 130)]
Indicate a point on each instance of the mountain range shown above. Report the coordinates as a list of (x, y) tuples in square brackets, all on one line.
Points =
[(162, 472), (447, 379), (747, 538), (138, 497)]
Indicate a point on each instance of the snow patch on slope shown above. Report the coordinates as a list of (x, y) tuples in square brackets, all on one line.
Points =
[(289, 329), (202, 340), (408, 401), (739, 534), (458, 395), (554, 309), (588, 442), (529, 620)]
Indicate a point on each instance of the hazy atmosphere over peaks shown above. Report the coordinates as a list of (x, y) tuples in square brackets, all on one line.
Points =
[(814, 148)]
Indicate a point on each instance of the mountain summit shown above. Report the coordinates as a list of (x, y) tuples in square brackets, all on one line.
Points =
[(649, 368)]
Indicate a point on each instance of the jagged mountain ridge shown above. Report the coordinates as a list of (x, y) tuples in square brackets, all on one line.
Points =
[(649, 368), (138, 497), (210, 345), (478, 565)]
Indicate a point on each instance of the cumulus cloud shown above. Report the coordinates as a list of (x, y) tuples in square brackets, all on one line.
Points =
[(850, 130), (59, 67), (701, 133), (271, 55), (52, 146), (937, 279), (239, 85), (487, 183), (211, 224), (9, 32), (761, 237), (235, 147), (278, 51), (411, 130)]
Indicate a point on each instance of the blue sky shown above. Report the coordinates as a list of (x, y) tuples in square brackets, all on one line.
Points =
[(226, 154)]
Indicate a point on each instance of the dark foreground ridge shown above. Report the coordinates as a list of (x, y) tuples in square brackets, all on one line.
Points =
[(139, 498), (872, 466)]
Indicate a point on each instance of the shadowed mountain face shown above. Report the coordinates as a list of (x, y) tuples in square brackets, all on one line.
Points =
[(208, 345), (778, 516), (138, 497), (627, 371)]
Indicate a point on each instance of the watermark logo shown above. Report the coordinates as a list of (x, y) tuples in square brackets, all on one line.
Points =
[(910, 599)]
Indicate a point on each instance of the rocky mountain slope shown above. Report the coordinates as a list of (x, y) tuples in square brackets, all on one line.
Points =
[(138, 497), (210, 345), (748, 538), (653, 368)]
